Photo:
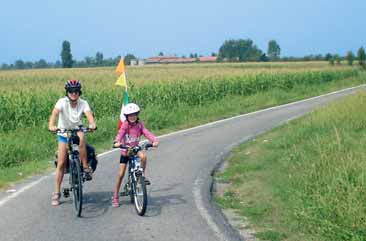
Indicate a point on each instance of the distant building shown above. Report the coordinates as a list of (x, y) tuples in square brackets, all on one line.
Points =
[(178, 60), (133, 62), (141, 62)]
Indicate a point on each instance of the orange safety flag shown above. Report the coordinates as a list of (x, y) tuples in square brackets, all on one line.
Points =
[(120, 67), (122, 81)]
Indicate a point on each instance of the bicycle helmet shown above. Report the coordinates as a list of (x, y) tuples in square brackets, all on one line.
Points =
[(130, 109), (72, 86)]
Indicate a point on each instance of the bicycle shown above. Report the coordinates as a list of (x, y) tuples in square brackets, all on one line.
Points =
[(135, 186), (74, 167)]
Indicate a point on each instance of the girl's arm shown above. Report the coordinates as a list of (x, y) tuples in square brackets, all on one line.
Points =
[(149, 136), (120, 134)]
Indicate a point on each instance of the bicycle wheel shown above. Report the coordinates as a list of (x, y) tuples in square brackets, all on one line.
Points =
[(140, 195), (77, 187)]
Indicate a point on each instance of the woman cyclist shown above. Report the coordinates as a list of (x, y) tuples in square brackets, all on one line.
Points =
[(69, 110)]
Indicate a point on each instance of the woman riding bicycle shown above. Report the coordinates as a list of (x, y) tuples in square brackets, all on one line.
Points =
[(129, 135), (69, 110)]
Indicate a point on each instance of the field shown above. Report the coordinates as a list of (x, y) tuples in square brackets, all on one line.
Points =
[(304, 180), (171, 96)]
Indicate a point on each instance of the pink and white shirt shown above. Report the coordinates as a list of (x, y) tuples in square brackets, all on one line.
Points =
[(129, 134)]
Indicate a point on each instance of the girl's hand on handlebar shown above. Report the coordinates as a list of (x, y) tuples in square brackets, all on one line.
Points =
[(155, 144), (117, 144)]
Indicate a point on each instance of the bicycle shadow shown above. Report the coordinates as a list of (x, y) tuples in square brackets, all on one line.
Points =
[(157, 203), (96, 204)]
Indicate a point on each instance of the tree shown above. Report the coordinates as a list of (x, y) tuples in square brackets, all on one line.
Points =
[(19, 64), (128, 59), (337, 58), (161, 54), (239, 50), (328, 57), (361, 56), (350, 57), (274, 50), (99, 59), (263, 58), (41, 64), (66, 56)]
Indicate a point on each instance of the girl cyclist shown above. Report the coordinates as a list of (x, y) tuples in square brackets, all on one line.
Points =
[(129, 134)]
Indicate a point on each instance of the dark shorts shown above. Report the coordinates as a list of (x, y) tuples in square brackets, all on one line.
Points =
[(123, 159)]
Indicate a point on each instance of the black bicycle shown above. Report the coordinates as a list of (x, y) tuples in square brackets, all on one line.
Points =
[(74, 167), (135, 186)]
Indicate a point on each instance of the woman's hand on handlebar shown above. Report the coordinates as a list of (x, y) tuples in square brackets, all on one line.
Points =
[(155, 144), (92, 127), (52, 128)]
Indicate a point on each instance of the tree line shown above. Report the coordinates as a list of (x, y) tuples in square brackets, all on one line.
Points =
[(234, 50)]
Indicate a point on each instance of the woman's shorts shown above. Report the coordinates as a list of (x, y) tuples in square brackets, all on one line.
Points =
[(123, 159), (61, 139)]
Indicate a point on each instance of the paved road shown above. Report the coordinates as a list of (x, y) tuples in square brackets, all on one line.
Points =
[(179, 207)]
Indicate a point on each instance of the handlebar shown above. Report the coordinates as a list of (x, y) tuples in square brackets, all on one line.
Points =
[(145, 146), (79, 128)]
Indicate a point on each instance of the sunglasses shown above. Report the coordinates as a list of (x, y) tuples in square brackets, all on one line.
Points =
[(71, 91)]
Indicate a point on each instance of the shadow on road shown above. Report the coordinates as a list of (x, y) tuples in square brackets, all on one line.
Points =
[(160, 200), (96, 204)]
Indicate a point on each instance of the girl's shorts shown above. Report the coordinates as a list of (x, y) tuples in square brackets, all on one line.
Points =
[(123, 159)]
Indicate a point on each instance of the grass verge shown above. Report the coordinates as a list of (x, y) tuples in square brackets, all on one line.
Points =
[(305, 180)]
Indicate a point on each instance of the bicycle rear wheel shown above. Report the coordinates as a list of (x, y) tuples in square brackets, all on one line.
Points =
[(77, 187), (140, 195)]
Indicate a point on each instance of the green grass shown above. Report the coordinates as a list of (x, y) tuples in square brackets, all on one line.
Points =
[(305, 180)]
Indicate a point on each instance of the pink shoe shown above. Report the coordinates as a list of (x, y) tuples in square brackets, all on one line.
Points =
[(55, 198), (115, 202)]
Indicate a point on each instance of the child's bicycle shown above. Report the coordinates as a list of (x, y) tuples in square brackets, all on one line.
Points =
[(136, 186), (73, 167)]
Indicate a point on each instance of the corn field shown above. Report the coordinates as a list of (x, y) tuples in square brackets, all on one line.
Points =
[(26, 103)]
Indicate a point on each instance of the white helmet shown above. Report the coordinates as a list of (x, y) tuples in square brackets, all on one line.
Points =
[(131, 108)]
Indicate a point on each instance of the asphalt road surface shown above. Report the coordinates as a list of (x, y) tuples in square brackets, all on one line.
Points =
[(179, 205)]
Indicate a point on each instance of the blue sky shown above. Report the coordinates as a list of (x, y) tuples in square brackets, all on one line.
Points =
[(31, 30)]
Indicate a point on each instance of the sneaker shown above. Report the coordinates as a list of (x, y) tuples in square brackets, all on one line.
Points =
[(55, 198), (88, 173), (115, 201)]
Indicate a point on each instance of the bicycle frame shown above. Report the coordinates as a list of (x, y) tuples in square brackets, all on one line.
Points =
[(76, 178)]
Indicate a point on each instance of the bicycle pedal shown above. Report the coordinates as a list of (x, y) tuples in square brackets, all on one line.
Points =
[(66, 193)]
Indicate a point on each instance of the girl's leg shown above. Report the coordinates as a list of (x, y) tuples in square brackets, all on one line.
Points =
[(143, 159), (120, 174)]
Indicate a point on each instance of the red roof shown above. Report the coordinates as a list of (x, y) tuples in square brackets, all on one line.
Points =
[(208, 59)]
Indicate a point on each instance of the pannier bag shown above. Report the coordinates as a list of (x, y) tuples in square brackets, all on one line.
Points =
[(92, 159)]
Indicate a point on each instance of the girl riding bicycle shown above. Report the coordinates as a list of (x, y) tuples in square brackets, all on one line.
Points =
[(129, 135)]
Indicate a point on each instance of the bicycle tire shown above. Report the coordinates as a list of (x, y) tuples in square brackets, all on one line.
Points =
[(140, 195), (77, 187)]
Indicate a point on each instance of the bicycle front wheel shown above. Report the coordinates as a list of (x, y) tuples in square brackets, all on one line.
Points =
[(77, 187), (140, 195)]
